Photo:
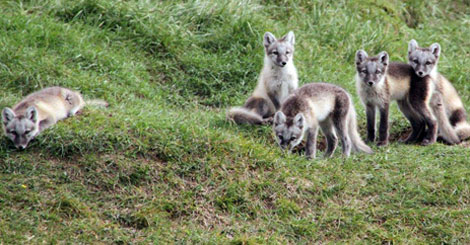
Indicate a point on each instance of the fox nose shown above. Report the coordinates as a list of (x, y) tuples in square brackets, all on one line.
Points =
[(370, 83), (420, 73), (22, 147), (283, 63)]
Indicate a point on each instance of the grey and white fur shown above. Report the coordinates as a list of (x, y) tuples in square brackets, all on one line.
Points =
[(277, 80), (314, 106), (379, 82), (39, 111), (446, 103)]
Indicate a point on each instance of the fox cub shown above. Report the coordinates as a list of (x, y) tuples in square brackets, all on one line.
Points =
[(449, 107), (378, 83), (277, 80), (39, 111), (318, 105)]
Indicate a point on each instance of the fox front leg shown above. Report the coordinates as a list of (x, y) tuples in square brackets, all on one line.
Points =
[(383, 127), (311, 150)]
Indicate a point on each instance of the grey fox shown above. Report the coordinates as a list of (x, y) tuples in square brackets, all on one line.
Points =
[(277, 80), (448, 105), (39, 111), (318, 105), (379, 82)]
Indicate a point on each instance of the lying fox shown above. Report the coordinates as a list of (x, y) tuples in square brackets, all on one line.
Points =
[(318, 105), (277, 80), (39, 111)]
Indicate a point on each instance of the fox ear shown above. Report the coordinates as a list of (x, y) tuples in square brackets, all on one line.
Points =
[(7, 115), (412, 46), (31, 114), (268, 39), (435, 49), (383, 58), (299, 120), (290, 37), (361, 55), (279, 118)]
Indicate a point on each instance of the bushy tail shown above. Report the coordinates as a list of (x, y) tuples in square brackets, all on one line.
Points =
[(446, 131), (358, 144), (241, 115), (463, 130), (96, 102)]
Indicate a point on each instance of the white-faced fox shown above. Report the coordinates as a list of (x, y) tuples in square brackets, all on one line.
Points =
[(449, 105), (318, 105), (277, 80), (39, 111), (378, 83)]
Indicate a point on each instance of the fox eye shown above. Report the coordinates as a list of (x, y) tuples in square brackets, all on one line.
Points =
[(293, 138), (378, 71), (287, 52), (415, 61), (280, 137), (27, 131), (428, 62), (275, 53), (364, 71)]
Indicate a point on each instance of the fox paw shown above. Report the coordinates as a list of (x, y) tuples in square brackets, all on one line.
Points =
[(268, 120), (382, 143), (426, 142)]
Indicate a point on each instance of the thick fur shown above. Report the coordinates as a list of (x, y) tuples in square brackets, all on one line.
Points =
[(39, 111), (277, 80), (378, 83), (451, 113), (314, 106)]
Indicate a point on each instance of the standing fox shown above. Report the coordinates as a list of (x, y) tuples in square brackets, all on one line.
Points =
[(378, 83), (317, 105), (424, 62), (277, 80), (39, 111)]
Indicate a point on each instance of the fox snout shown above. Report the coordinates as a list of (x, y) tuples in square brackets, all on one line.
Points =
[(282, 62), (420, 73), (21, 144), (369, 82)]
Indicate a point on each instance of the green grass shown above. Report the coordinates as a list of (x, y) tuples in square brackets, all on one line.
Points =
[(162, 165)]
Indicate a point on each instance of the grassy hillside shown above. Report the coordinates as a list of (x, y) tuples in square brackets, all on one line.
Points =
[(162, 163)]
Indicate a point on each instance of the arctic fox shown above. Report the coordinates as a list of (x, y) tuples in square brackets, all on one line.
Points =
[(39, 111), (277, 80), (318, 105)]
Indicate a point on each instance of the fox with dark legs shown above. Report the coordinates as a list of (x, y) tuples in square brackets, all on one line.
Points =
[(314, 106), (446, 103), (277, 80), (379, 82)]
